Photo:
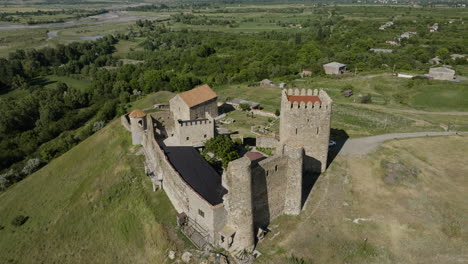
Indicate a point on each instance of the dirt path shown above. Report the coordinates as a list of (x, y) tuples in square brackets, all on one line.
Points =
[(409, 111), (362, 146)]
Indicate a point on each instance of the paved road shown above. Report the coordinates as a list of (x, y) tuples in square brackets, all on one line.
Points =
[(409, 111), (361, 146)]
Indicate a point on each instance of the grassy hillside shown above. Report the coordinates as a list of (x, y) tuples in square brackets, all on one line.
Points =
[(405, 203), (92, 205)]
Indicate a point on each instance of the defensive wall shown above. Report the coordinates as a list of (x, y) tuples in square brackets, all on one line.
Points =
[(182, 196), (264, 141), (194, 132), (305, 121)]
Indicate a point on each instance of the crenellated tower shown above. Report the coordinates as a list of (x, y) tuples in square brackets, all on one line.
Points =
[(305, 122)]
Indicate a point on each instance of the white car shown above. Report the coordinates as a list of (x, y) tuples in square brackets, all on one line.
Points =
[(331, 143)]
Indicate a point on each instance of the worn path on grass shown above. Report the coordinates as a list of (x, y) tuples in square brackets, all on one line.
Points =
[(361, 146)]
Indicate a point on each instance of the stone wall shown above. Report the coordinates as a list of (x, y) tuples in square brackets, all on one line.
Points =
[(125, 121), (263, 113), (179, 109), (266, 141), (199, 111), (194, 132), (307, 126), (181, 195)]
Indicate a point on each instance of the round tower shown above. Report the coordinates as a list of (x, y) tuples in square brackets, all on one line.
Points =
[(137, 126)]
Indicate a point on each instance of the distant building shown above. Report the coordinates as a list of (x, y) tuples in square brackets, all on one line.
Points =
[(334, 68), (406, 35), (306, 72), (405, 75), (236, 103), (348, 93), (386, 25), (434, 27), (441, 73), (381, 50), (436, 60), (457, 56), (392, 42), (282, 85), (267, 83)]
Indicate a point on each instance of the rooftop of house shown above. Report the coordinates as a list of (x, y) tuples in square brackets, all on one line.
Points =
[(197, 173), (304, 98), (137, 114), (442, 70), (335, 64), (238, 101), (198, 95)]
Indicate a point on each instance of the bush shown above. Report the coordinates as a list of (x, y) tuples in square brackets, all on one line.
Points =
[(19, 220), (366, 99), (277, 112), (31, 166), (245, 107)]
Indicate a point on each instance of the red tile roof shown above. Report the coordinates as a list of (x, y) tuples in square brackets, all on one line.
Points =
[(198, 95), (304, 98), (254, 155), (137, 114)]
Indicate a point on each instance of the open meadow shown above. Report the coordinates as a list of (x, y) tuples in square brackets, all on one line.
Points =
[(404, 203)]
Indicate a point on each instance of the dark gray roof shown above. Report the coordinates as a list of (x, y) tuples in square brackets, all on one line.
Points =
[(197, 173)]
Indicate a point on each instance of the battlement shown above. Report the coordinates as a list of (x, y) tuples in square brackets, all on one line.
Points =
[(194, 122), (310, 99)]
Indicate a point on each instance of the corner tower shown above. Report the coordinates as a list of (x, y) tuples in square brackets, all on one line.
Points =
[(305, 122), (137, 126)]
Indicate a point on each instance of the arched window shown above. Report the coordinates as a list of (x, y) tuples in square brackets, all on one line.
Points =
[(140, 123), (187, 138), (276, 167), (296, 131), (204, 136)]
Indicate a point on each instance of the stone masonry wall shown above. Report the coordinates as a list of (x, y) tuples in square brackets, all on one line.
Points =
[(179, 109), (210, 107), (266, 142), (193, 132), (308, 126), (181, 195)]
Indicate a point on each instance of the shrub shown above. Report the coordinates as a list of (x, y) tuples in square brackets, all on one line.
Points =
[(31, 166), (366, 99), (19, 220), (245, 107), (277, 112)]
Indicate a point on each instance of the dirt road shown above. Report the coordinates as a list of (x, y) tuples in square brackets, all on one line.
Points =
[(361, 146)]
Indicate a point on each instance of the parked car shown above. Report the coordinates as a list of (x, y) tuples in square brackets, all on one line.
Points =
[(331, 143)]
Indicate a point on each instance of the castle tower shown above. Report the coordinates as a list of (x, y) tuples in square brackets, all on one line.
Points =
[(293, 197), (238, 202), (137, 126), (305, 122)]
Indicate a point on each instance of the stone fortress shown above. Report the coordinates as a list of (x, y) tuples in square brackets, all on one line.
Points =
[(231, 210)]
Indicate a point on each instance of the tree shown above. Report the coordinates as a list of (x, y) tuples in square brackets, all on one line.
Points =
[(443, 53), (245, 107), (309, 53)]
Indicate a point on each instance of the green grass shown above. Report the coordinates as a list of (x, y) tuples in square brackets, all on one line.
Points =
[(442, 95), (93, 204), (80, 84), (244, 122)]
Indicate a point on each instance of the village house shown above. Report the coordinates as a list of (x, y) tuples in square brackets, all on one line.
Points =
[(236, 103), (306, 72), (434, 61), (441, 73), (457, 56), (266, 83), (392, 42), (434, 27), (381, 50), (334, 68)]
